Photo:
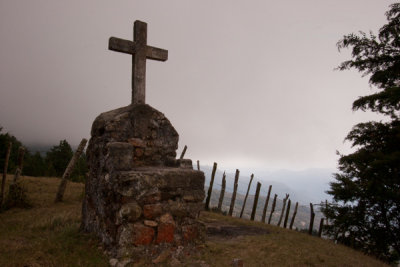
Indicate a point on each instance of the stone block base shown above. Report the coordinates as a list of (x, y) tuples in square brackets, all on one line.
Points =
[(145, 207)]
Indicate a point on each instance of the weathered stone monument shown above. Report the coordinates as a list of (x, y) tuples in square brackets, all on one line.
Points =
[(139, 199)]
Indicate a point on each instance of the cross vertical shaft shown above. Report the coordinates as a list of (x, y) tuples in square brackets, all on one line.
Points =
[(139, 63), (140, 51)]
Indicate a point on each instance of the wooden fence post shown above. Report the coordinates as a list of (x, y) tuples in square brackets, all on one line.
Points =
[(287, 214), (198, 165), (321, 225), (235, 186), (294, 215), (20, 161), (283, 209), (3, 182), (326, 208), (312, 216), (247, 194), (68, 170), (253, 213), (211, 186), (272, 209), (266, 204), (183, 152), (221, 196)]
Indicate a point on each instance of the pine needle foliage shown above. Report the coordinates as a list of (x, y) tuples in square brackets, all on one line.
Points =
[(365, 212)]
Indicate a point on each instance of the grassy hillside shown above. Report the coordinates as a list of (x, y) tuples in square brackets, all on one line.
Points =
[(48, 235)]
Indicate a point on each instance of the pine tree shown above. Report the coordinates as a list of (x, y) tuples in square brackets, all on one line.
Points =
[(5, 138), (365, 212), (58, 158)]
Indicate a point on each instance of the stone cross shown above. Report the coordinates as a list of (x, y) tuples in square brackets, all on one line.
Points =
[(140, 51)]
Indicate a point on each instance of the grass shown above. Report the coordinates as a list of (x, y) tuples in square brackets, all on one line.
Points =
[(48, 235), (280, 247)]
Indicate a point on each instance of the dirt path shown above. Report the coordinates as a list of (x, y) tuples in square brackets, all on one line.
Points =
[(221, 230)]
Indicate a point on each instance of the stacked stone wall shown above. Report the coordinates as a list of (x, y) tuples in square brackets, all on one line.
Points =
[(137, 194)]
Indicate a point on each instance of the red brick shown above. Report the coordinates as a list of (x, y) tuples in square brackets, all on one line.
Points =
[(165, 233), (142, 235), (166, 229)]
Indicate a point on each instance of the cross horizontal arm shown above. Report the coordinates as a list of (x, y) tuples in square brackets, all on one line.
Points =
[(156, 53), (121, 45), (128, 47)]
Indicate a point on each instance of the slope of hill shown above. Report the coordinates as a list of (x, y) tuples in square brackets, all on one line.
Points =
[(48, 235)]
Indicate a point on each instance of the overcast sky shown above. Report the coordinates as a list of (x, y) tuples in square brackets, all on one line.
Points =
[(246, 84)]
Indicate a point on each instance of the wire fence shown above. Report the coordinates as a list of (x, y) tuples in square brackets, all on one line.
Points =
[(275, 209)]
